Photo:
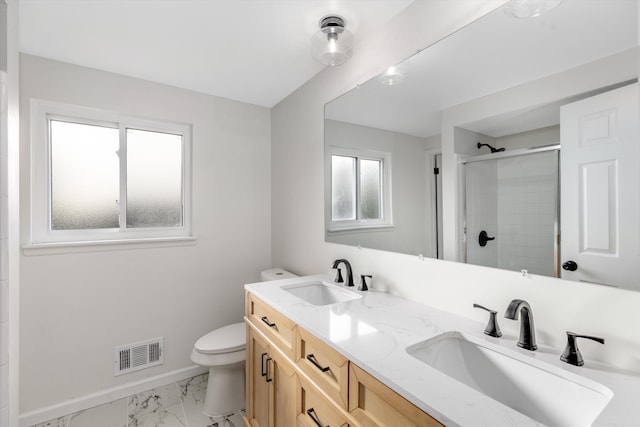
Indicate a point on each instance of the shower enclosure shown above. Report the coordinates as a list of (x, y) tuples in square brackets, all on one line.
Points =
[(511, 213)]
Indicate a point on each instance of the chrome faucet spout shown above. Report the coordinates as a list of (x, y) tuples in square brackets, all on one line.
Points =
[(527, 339), (347, 266)]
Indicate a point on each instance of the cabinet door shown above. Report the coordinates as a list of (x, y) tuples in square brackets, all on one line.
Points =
[(313, 410), (276, 327), (325, 366), (374, 404), (257, 385), (270, 384), (282, 390)]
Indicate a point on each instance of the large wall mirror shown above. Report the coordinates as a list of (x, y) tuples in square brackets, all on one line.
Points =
[(533, 127)]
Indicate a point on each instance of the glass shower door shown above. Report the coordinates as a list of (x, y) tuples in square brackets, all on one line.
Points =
[(511, 208)]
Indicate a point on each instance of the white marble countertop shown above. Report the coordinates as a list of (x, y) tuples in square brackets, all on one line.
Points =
[(375, 330)]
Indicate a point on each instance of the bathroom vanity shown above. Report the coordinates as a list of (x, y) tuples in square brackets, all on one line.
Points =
[(319, 354), (294, 378)]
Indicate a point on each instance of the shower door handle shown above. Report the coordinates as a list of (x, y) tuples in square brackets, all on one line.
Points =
[(570, 266), (483, 238)]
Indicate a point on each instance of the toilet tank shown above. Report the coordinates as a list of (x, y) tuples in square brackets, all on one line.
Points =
[(276, 274)]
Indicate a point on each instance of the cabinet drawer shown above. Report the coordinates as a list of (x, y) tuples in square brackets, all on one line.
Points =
[(271, 323), (374, 404), (325, 366), (312, 410)]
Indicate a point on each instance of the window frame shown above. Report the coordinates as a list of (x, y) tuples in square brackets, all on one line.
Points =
[(385, 188), (41, 233)]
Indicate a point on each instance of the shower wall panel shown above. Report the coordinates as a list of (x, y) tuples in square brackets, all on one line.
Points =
[(527, 212)]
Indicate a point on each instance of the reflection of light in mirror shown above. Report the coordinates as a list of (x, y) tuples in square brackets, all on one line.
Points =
[(395, 74), (529, 8), (342, 327)]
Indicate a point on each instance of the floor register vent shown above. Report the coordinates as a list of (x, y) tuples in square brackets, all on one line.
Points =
[(136, 356)]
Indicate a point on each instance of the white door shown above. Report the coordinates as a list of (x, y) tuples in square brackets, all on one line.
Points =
[(600, 189)]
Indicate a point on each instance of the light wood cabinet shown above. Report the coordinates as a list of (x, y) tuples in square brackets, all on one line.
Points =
[(276, 327), (257, 401), (374, 404), (295, 379), (314, 410), (270, 384), (325, 366), (284, 386)]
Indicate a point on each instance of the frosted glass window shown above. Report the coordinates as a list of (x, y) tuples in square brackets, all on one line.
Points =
[(101, 176), (84, 176), (154, 179), (370, 189), (358, 189), (343, 188)]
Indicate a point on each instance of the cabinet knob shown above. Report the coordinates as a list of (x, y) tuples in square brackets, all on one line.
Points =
[(570, 266)]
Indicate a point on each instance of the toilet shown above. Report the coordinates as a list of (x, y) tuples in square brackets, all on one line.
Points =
[(223, 352)]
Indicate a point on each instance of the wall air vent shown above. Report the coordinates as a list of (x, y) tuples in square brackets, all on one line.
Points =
[(136, 356)]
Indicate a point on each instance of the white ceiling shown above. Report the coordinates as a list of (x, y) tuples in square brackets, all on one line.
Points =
[(255, 51)]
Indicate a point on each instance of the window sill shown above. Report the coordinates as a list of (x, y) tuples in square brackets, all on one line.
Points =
[(361, 229), (35, 249)]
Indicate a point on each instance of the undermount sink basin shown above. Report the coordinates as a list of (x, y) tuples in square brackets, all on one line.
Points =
[(543, 392), (319, 293)]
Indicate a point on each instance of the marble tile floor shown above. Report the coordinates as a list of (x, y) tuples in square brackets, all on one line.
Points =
[(174, 405)]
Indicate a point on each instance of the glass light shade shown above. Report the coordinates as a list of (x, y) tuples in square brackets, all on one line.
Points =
[(529, 8), (394, 75), (332, 49)]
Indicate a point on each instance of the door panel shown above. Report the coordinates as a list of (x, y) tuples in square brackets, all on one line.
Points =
[(600, 196)]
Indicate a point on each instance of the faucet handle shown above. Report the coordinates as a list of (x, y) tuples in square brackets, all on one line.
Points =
[(571, 352), (492, 329), (363, 281)]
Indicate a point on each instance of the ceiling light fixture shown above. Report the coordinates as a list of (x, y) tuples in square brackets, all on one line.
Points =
[(333, 44), (529, 8), (394, 75)]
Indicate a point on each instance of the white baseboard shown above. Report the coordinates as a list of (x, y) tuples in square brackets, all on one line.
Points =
[(109, 395)]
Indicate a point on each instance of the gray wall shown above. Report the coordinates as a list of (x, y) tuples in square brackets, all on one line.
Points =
[(76, 306), (410, 233)]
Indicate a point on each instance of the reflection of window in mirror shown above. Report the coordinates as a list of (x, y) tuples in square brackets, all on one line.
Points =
[(360, 189)]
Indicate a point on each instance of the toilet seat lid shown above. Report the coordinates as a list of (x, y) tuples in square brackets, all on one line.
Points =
[(223, 340)]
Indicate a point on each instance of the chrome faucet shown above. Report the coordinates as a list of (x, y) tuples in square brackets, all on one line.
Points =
[(527, 338), (338, 278)]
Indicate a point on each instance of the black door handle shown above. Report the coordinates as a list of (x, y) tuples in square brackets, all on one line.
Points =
[(311, 358), (570, 266), (266, 320), (483, 238), (262, 370), (267, 373), (313, 416)]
